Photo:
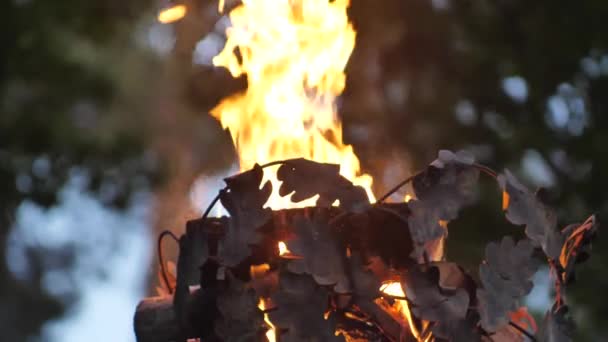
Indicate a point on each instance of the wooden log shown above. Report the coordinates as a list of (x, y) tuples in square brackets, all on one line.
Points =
[(155, 320)]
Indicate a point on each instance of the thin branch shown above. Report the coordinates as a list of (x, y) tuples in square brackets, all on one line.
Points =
[(487, 170), (523, 331), (161, 261), (396, 188)]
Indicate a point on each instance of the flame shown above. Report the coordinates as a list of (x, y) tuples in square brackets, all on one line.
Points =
[(293, 53), (172, 14), (395, 289), (283, 250), (407, 198), (271, 334)]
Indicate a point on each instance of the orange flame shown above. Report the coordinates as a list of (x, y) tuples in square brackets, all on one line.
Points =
[(293, 53), (271, 334), (283, 250), (172, 14), (395, 289)]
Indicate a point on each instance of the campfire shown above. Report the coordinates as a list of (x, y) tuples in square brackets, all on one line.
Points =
[(305, 252)]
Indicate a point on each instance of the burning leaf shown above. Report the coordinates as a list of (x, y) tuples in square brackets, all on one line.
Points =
[(523, 319), (305, 179), (244, 200), (240, 319), (442, 190), (576, 246), (321, 255), (301, 305), (557, 326), (364, 283), (429, 301), (263, 280), (505, 276), (524, 208)]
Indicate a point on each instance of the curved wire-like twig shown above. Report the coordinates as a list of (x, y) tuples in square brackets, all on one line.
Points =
[(217, 197), (522, 330), (396, 188), (161, 261), (487, 170)]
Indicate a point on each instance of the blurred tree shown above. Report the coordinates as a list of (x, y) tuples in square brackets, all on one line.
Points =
[(66, 103)]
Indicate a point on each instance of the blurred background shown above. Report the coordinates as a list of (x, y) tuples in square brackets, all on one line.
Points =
[(105, 137)]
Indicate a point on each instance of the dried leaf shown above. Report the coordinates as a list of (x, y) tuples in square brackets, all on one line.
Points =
[(322, 257), (445, 187), (506, 277), (524, 208), (244, 200), (505, 334), (576, 247), (381, 232), (365, 284), (557, 326), (305, 179), (429, 301), (457, 330), (239, 319), (301, 305)]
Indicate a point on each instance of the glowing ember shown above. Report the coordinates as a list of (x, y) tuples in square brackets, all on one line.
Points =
[(283, 250), (271, 333), (172, 14), (293, 53), (395, 289)]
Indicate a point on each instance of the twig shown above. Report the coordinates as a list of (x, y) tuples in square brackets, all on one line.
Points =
[(523, 331), (487, 170), (396, 187), (161, 261)]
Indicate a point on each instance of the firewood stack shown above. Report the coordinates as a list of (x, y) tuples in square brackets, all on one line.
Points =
[(323, 273)]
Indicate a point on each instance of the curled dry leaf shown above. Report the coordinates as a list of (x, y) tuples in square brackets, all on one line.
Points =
[(506, 278), (524, 208), (244, 200), (576, 246), (305, 179), (239, 319), (428, 300), (300, 308), (321, 255), (445, 187)]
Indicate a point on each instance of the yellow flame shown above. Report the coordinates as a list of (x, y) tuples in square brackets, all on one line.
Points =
[(283, 250), (293, 53), (271, 332), (172, 14), (407, 198), (395, 289)]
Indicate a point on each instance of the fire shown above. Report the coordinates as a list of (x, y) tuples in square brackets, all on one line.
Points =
[(293, 53), (395, 289), (172, 14), (271, 332), (283, 250)]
